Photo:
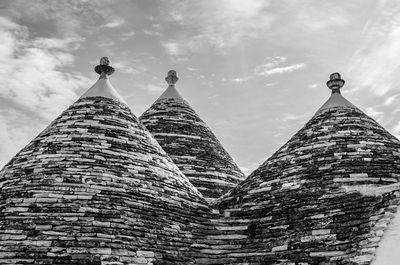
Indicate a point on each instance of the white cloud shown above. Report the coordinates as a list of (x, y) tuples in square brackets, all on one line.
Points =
[(240, 79), (126, 68), (374, 113), (34, 87), (115, 23), (69, 43), (218, 24), (299, 118), (321, 15), (272, 62), (375, 65), (390, 100), (153, 89), (270, 67), (173, 48), (127, 35), (105, 43), (152, 32), (70, 18), (314, 86), (282, 70)]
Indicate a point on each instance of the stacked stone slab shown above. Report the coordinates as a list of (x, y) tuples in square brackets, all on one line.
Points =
[(96, 188), (190, 143), (326, 197)]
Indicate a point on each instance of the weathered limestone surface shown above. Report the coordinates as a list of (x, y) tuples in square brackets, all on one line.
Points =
[(325, 197), (96, 188), (192, 146)]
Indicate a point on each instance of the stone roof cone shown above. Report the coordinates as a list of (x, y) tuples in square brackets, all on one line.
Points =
[(191, 144), (326, 197), (96, 188)]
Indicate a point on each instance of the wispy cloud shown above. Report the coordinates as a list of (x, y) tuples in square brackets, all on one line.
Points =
[(241, 79), (282, 70), (34, 87), (127, 35), (298, 118), (127, 68), (175, 50), (314, 16), (218, 24), (375, 65), (105, 43), (70, 18), (271, 84), (312, 86), (115, 23), (270, 67), (374, 113), (152, 32), (153, 89), (68, 43)]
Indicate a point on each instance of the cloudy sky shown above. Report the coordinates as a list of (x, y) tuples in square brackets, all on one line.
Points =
[(254, 70)]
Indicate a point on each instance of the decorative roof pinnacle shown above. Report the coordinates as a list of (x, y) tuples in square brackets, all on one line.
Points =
[(171, 78), (104, 69), (335, 83)]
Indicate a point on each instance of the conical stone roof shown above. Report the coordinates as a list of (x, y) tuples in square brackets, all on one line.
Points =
[(95, 188), (326, 197), (191, 144)]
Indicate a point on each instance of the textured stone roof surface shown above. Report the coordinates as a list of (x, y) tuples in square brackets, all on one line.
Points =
[(325, 197), (191, 144), (96, 188)]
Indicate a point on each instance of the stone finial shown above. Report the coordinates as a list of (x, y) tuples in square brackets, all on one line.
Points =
[(171, 78), (335, 83), (104, 68)]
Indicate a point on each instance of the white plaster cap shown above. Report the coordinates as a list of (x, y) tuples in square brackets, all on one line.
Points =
[(171, 92), (335, 83), (103, 88), (336, 100)]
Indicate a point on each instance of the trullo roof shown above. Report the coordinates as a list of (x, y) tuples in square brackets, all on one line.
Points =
[(326, 197), (190, 143), (95, 188)]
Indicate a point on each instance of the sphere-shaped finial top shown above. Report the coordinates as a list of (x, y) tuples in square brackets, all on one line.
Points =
[(104, 61), (335, 83), (171, 78), (104, 68)]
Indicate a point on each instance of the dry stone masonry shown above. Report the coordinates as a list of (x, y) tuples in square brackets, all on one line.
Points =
[(96, 188), (190, 143), (325, 197)]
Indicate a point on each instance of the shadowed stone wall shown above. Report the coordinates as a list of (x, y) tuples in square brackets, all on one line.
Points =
[(192, 146)]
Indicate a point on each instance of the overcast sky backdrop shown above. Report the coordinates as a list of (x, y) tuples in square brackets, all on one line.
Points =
[(254, 70)]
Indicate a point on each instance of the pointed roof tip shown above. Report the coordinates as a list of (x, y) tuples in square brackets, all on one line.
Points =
[(171, 91), (104, 68), (171, 78), (103, 87), (335, 83)]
